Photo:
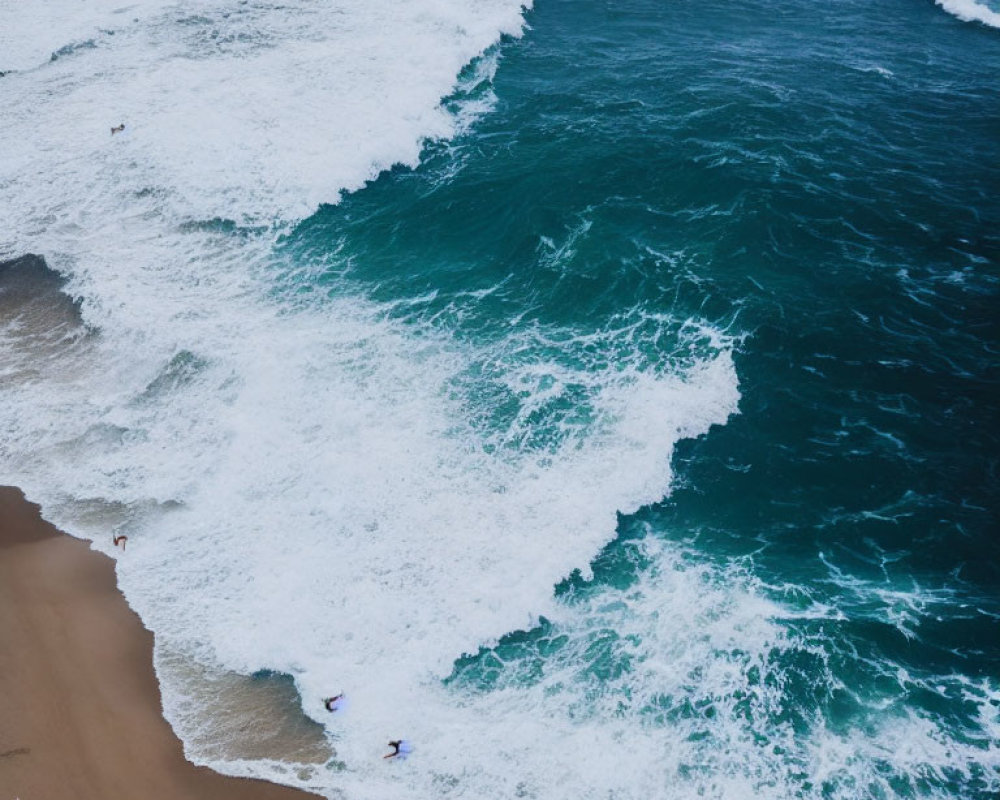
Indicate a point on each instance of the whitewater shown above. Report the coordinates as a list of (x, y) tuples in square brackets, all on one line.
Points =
[(314, 484), (299, 487)]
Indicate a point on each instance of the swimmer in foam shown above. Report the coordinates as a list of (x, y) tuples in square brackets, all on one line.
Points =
[(118, 129), (400, 749), (335, 703)]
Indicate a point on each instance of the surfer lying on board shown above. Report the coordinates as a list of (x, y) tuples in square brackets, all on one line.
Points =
[(400, 748), (333, 703), (118, 129)]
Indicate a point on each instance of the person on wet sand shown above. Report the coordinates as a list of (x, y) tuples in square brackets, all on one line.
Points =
[(400, 749)]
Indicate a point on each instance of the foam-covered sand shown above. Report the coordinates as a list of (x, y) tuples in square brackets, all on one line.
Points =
[(79, 702)]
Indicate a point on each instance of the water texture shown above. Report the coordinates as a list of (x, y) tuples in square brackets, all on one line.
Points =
[(603, 395)]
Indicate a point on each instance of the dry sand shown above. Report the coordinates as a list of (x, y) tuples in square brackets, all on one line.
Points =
[(80, 715)]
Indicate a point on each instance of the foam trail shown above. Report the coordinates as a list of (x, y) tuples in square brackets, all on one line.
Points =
[(971, 11)]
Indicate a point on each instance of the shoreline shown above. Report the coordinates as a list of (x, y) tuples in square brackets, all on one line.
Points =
[(80, 708)]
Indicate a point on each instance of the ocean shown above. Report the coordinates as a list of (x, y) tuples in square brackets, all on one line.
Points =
[(604, 396)]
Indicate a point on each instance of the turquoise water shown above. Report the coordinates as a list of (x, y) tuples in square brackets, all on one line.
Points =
[(820, 182), (635, 435)]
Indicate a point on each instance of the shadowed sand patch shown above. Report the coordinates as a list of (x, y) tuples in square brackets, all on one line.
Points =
[(79, 701)]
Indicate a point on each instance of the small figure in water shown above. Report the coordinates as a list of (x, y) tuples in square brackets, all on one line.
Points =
[(119, 129), (334, 703), (400, 749), (120, 539)]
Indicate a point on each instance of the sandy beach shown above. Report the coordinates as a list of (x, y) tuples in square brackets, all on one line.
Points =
[(80, 713)]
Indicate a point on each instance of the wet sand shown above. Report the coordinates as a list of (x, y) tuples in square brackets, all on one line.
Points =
[(80, 713)]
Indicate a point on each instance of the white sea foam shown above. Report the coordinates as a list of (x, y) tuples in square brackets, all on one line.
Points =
[(339, 521), (971, 11), (304, 490), (236, 110)]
